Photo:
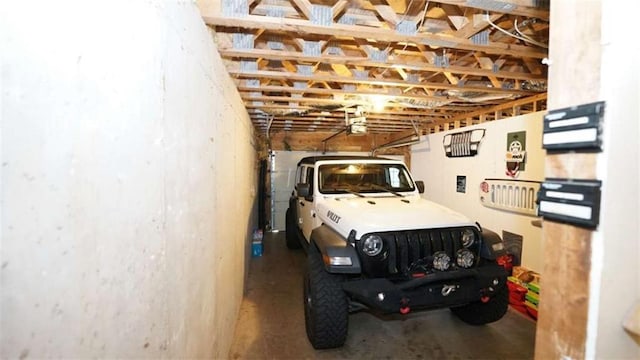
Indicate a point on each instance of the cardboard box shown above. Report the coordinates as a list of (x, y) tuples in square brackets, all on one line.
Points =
[(519, 270), (516, 281), (525, 275)]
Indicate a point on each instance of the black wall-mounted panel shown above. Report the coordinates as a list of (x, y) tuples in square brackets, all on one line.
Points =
[(572, 201), (574, 128)]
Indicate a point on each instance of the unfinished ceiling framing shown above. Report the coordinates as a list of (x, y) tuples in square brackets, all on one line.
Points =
[(394, 65)]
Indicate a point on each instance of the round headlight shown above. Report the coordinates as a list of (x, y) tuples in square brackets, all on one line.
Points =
[(372, 245), (465, 258), (441, 261), (468, 237)]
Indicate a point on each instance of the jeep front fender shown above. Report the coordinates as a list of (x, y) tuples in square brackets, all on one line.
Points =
[(338, 255), (492, 245)]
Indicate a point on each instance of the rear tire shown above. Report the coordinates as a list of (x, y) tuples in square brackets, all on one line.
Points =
[(291, 231), (326, 308), (479, 313)]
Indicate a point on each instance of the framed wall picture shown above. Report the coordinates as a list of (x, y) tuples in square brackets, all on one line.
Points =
[(461, 184)]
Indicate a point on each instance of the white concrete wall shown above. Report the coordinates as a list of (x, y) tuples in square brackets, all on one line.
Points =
[(128, 183), (615, 274), (430, 163)]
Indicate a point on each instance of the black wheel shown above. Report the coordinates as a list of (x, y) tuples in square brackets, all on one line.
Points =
[(291, 231), (479, 313), (326, 309)]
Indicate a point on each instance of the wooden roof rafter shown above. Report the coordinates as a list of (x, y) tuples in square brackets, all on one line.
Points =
[(371, 81), (416, 55)]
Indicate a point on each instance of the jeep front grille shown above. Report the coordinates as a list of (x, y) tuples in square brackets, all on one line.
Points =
[(406, 252)]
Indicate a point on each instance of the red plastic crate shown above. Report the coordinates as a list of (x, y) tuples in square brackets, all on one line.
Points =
[(517, 293), (533, 313), (520, 308)]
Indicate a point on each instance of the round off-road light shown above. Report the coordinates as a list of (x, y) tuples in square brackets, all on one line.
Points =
[(468, 237), (441, 261), (372, 245), (465, 258)]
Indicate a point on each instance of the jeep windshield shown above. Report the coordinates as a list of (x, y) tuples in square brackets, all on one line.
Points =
[(362, 178)]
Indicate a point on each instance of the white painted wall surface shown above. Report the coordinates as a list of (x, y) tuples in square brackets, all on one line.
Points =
[(615, 273), (430, 164), (128, 183)]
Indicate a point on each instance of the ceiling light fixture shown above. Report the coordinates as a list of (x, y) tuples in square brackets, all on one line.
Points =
[(378, 102)]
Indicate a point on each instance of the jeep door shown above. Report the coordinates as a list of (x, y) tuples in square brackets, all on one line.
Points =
[(305, 206)]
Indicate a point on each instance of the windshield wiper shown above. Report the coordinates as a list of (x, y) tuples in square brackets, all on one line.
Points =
[(380, 187), (347, 190)]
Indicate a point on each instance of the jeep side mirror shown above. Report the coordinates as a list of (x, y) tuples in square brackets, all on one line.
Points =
[(303, 190), (420, 185)]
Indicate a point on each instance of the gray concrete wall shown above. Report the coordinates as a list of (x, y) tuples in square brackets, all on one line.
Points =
[(128, 183)]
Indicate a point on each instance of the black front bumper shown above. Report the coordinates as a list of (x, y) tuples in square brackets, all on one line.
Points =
[(435, 290)]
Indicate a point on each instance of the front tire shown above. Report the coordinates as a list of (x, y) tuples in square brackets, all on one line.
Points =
[(326, 308), (479, 313), (291, 231)]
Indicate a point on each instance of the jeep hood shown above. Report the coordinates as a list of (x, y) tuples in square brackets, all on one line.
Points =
[(376, 214)]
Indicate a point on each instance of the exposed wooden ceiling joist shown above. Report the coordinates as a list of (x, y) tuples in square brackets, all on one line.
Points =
[(303, 28), (370, 81), (304, 64), (366, 62), (529, 8)]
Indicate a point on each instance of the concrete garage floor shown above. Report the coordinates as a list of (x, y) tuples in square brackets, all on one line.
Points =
[(271, 323)]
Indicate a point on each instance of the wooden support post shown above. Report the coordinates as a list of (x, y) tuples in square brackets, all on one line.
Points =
[(573, 79)]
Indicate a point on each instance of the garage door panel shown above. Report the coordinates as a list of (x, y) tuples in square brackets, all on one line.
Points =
[(282, 169)]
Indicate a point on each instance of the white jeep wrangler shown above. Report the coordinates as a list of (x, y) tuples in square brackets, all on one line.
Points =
[(374, 243)]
